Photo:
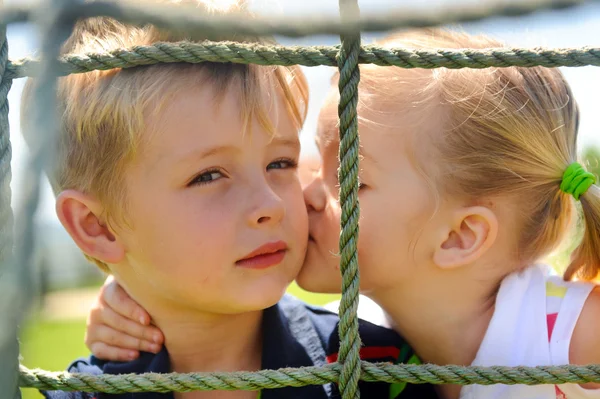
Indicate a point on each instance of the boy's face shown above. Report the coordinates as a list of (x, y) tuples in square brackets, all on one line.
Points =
[(395, 202), (218, 223)]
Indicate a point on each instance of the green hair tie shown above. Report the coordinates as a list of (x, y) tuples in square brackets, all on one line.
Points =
[(576, 181)]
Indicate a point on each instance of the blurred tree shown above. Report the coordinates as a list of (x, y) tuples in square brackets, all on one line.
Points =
[(591, 157)]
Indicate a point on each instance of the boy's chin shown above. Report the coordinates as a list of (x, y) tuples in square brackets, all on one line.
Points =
[(255, 303)]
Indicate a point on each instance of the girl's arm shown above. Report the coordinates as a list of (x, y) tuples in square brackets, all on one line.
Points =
[(585, 344)]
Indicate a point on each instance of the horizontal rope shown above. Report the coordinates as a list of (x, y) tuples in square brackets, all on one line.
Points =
[(153, 382), (183, 20), (310, 56), (268, 379), (265, 379)]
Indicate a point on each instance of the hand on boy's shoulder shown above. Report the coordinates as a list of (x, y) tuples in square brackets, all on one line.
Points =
[(585, 345)]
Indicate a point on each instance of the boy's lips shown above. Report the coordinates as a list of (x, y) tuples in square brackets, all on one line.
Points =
[(265, 256)]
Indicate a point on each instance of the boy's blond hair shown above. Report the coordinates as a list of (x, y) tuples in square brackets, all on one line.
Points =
[(102, 113), (509, 132)]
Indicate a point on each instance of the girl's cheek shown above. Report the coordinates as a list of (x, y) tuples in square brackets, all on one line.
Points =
[(333, 225)]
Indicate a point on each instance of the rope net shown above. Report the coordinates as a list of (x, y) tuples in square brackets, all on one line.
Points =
[(55, 24)]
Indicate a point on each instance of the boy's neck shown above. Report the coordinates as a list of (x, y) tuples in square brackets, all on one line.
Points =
[(200, 342), (443, 318)]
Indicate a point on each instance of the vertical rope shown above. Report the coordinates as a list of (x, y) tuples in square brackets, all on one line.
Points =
[(348, 178), (55, 28), (9, 309), (17, 290)]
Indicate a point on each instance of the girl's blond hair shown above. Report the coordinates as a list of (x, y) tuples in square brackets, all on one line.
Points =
[(509, 132)]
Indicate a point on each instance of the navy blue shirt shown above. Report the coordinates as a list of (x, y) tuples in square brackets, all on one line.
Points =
[(294, 335)]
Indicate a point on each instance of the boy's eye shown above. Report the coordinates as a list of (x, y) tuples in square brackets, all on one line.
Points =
[(282, 164), (207, 177)]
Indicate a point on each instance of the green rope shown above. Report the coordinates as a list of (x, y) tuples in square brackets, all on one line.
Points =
[(347, 373), (269, 379), (192, 22), (6, 215), (10, 314), (179, 382), (461, 375), (44, 116), (349, 353), (208, 51)]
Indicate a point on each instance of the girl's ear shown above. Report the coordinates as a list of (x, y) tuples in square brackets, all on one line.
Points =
[(472, 232)]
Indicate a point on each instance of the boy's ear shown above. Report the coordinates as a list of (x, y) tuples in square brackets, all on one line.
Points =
[(471, 233), (80, 214)]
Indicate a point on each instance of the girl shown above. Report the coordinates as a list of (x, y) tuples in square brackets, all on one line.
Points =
[(469, 179)]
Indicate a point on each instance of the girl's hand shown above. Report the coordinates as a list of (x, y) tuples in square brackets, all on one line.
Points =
[(118, 328)]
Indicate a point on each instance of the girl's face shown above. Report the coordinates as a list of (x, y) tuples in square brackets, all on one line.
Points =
[(396, 203)]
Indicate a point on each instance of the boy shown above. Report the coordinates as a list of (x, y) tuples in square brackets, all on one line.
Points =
[(180, 181)]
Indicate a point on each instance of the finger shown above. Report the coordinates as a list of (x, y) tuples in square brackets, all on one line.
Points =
[(110, 318), (112, 353), (116, 298), (109, 336), (109, 279)]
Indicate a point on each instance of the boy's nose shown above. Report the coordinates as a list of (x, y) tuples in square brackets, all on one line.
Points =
[(269, 209), (314, 195)]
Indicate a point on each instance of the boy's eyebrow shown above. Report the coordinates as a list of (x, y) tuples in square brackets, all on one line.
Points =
[(191, 155), (278, 141), (294, 143)]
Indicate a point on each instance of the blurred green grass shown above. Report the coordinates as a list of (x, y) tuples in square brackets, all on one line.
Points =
[(52, 345)]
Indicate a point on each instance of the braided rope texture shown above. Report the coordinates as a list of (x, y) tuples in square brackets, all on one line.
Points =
[(21, 267), (347, 57), (297, 377), (190, 21), (350, 55), (6, 215), (9, 346), (349, 353), (241, 53)]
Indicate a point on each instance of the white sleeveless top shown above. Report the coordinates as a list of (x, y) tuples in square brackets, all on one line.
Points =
[(534, 318)]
